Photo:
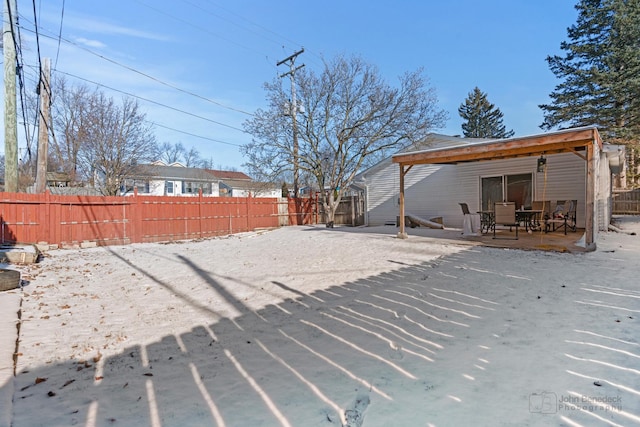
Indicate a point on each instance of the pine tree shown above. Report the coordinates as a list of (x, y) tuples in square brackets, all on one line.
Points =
[(600, 73), (483, 119)]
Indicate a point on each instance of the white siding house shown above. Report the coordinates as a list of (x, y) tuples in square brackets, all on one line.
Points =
[(242, 188), (159, 179), (427, 187), (435, 190)]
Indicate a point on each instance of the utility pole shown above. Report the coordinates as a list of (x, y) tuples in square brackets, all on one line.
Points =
[(10, 110), (294, 109), (43, 125)]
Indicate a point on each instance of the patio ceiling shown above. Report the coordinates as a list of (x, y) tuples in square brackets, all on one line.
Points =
[(567, 141)]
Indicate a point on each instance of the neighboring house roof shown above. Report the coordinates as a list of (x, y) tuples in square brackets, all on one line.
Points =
[(254, 186), (58, 177), (162, 163), (240, 184), (432, 141), (170, 173), (229, 175)]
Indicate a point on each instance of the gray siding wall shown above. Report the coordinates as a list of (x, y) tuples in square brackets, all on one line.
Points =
[(435, 190)]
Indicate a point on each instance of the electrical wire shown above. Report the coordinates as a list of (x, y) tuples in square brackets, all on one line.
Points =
[(148, 76), (59, 39), (55, 63), (151, 101), (15, 28), (194, 135)]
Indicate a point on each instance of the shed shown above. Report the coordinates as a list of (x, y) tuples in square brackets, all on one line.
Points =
[(577, 166)]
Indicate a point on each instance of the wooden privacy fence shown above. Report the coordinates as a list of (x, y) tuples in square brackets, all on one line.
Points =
[(71, 220), (301, 211), (350, 211), (626, 202)]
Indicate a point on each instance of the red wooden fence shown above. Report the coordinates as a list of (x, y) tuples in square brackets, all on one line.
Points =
[(71, 220)]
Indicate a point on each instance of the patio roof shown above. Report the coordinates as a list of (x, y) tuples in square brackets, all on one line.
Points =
[(570, 140)]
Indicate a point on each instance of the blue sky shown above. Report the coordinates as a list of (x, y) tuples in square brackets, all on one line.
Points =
[(199, 66)]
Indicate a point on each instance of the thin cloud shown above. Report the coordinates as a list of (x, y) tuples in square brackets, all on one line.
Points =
[(90, 43)]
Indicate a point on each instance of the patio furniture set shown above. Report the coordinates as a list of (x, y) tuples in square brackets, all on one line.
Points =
[(544, 216)]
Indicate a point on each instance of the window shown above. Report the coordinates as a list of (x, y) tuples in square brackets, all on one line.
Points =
[(168, 187), (142, 186), (516, 188), (189, 187)]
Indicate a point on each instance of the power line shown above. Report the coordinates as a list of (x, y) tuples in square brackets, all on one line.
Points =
[(162, 105), (59, 39), (150, 101), (55, 64), (176, 18), (149, 76), (194, 135), (238, 25), (262, 27)]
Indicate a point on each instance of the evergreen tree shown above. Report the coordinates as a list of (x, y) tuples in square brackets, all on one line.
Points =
[(483, 119), (600, 73)]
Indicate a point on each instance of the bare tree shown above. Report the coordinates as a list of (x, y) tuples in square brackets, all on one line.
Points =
[(192, 158), (118, 137), (171, 153), (351, 118), (70, 106)]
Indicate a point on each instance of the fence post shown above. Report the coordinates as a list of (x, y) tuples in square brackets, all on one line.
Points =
[(249, 212), (136, 218), (53, 233), (200, 212)]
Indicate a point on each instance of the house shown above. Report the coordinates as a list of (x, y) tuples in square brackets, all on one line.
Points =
[(431, 182), (175, 179), (238, 184), (381, 183), (160, 179), (58, 179)]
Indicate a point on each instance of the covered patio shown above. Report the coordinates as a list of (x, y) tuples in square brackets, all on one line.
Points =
[(582, 142), (554, 241)]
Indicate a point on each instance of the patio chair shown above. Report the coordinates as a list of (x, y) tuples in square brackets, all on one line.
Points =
[(504, 213), (563, 216), (471, 222), (545, 209), (465, 209)]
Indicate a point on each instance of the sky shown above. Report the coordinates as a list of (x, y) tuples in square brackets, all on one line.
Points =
[(198, 68)]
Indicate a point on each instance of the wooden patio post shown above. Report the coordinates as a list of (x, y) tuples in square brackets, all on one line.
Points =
[(591, 188), (402, 233)]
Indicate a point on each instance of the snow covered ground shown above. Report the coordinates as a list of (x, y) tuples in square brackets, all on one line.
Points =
[(307, 326)]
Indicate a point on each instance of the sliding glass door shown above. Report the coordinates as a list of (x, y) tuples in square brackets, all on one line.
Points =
[(516, 188), (491, 192), (519, 189)]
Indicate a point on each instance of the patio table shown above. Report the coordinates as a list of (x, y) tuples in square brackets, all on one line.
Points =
[(530, 218)]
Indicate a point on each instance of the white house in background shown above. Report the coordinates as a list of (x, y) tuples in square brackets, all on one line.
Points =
[(161, 179), (436, 189), (238, 184)]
